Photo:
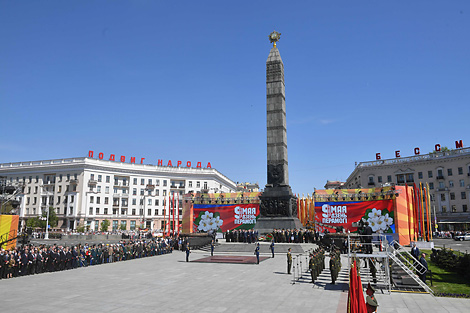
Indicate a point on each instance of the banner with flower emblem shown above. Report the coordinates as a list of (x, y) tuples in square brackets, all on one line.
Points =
[(378, 213), (221, 218)]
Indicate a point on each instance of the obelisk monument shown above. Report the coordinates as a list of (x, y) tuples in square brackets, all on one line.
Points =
[(278, 203)]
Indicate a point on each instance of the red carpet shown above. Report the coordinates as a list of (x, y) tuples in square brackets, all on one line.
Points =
[(237, 259)]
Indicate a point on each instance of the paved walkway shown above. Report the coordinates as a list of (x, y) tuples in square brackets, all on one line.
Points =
[(168, 284)]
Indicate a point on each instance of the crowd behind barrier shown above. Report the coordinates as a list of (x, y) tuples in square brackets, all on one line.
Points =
[(35, 259)]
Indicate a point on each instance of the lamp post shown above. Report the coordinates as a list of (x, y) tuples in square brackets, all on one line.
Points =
[(47, 224)]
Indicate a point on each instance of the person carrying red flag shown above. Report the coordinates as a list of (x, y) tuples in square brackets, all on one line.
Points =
[(356, 303)]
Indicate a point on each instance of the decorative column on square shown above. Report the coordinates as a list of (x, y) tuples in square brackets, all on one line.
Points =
[(278, 173), (278, 204)]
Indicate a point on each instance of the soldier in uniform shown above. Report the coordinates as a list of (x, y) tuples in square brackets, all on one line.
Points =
[(272, 247), (333, 268), (257, 253), (289, 260), (212, 248), (188, 251), (312, 267), (373, 270), (371, 301)]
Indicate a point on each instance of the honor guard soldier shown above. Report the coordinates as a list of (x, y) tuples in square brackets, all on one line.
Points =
[(289, 260), (333, 269), (312, 267), (257, 253), (188, 251)]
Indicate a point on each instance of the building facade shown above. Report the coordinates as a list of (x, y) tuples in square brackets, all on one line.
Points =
[(85, 191), (447, 174), (334, 184)]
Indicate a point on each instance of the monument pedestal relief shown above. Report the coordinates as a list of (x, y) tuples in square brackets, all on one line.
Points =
[(278, 208)]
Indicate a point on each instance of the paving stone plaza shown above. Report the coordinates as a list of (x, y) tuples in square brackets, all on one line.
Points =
[(169, 284)]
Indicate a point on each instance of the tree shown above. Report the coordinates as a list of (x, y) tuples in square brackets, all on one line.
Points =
[(81, 228), (37, 222), (443, 149), (105, 225), (123, 227)]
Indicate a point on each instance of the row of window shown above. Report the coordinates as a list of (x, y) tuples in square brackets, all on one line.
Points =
[(453, 208), (442, 185), (463, 196), (123, 182), (68, 188), (48, 179), (124, 201), (409, 178), (51, 200), (134, 191), (156, 212), (116, 224), (58, 211)]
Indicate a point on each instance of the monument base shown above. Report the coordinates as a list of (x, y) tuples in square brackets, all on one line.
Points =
[(265, 225)]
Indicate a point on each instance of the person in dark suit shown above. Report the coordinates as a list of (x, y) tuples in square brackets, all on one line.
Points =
[(62, 259), (272, 247), (423, 262), (74, 257), (24, 259), (415, 252), (31, 261), (212, 248), (368, 238), (257, 253)]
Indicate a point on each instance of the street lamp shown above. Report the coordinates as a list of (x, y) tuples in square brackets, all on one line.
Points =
[(47, 224)]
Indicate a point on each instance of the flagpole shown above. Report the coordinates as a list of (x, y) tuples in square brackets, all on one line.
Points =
[(173, 211), (422, 210), (408, 212), (428, 209), (169, 212), (178, 214)]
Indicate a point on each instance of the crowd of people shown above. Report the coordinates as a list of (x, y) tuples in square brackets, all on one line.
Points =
[(295, 236), (449, 234), (31, 259), (241, 235), (278, 235)]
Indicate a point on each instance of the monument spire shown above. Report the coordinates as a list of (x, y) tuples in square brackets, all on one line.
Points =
[(278, 174), (278, 203)]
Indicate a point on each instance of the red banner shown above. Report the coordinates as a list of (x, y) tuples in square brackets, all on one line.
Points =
[(220, 217), (378, 213)]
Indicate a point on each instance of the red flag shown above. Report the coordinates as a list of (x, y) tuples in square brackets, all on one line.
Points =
[(416, 207), (356, 303), (173, 211), (169, 212), (178, 214)]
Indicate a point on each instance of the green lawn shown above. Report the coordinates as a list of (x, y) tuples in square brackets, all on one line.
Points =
[(444, 281)]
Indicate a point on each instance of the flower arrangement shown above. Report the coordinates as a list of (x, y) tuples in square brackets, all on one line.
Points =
[(379, 220), (207, 221)]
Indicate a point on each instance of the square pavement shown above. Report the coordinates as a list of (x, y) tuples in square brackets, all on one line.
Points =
[(169, 284)]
